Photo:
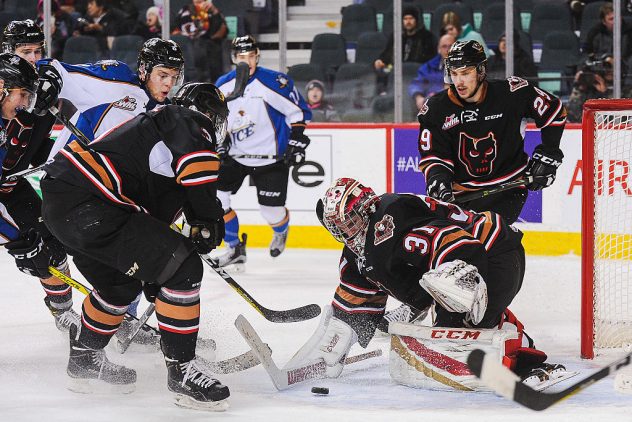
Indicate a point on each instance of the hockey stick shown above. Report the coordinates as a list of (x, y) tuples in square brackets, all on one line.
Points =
[(260, 156), (242, 73), (286, 377), (124, 344), (470, 196), (238, 363), (507, 384), (71, 127), (15, 176), (302, 313)]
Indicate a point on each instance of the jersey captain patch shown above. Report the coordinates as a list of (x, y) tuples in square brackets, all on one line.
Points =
[(477, 154), (384, 229)]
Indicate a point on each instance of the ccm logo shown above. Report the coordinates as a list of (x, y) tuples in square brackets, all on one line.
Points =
[(455, 334), (269, 194)]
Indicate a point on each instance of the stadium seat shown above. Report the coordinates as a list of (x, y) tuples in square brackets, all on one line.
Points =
[(524, 40), (380, 6), (590, 17), (303, 73), (383, 108), (370, 45), (328, 51), (233, 7), (559, 50), (187, 51), (493, 23), (356, 19), (81, 49), (27, 8), (548, 16), (354, 87), (464, 12), (125, 48), (6, 17), (409, 72)]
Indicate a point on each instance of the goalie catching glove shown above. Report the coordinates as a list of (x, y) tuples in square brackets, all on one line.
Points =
[(457, 287), (31, 254), (330, 342)]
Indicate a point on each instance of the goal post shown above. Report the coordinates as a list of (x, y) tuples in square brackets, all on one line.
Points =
[(606, 225)]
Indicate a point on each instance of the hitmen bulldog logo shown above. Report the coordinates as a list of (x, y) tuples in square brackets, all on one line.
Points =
[(384, 229), (477, 154)]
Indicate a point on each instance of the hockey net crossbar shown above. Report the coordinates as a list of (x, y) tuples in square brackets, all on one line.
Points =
[(606, 225)]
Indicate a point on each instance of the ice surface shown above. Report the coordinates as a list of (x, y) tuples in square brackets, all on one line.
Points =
[(33, 355)]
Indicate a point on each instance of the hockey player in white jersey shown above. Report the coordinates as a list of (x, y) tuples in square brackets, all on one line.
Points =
[(108, 93), (265, 127)]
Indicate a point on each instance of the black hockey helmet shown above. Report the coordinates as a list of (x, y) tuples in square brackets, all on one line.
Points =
[(158, 52), (244, 44), (465, 54), (18, 73), (17, 33), (205, 98)]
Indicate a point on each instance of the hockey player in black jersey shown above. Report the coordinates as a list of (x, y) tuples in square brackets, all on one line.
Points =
[(111, 204), (471, 136), (422, 252)]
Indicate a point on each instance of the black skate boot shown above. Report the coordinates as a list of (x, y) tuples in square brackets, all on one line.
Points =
[(194, 387), (64, 318), (234, 259), (277, 246), (90, 370), (145, 335), (545, 375)]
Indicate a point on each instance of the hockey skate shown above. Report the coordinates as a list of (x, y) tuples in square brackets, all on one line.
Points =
[(234, 259), (403, 313), (64, 318), (145, 335), (546, 375), (277, 246), (90, 370), (194, 387)]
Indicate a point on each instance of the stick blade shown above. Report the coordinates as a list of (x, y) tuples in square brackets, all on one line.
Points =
[(302, 313), (242, 73)]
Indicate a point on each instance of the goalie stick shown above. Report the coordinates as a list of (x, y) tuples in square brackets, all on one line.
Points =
[(507, 384), (285, 378), (242, 74), (302, 313)]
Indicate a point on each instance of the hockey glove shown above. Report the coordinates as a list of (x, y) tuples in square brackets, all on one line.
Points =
[(31, 254), (295, 152), (50, 84), (206, 235), (440, 187), (543, 166), (223, 148)]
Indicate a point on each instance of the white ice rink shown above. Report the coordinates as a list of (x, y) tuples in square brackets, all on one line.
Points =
[(33, 355)]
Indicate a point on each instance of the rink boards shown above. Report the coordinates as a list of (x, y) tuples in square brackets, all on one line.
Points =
[(385, 157)]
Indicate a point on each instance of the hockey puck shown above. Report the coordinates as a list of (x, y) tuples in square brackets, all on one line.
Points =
[(320, 390)]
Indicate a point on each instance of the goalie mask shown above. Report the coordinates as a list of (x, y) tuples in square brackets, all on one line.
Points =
[(345, 210), (204, 97), (157, 52)]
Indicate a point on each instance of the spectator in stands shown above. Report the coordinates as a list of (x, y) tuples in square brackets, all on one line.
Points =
[(599, 38), (152, 27), (204, 24), (418, 44), (430, 77), (523, 65), (75, 8), (594, 80), (322, 110), (451, 24), (62, 26), (102, 22)]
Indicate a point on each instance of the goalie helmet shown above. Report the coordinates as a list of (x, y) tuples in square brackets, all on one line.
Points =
[(345, 210), (157, 52), (245, 44), (17, 73), (17, 33), (205, 98), (464, 54)]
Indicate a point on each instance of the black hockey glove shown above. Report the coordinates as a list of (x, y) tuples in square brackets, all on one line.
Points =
[(206, 235), (31, 254), (440, 187), (223, 148), (543, 166), (50, 84), (295, 152)]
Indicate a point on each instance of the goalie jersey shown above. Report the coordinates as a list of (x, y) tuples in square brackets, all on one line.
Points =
[(480, 145), (407, 236), (259, 121), (105, 94), (152, 163)]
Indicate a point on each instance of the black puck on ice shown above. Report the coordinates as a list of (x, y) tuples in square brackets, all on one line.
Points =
[(320, 390)]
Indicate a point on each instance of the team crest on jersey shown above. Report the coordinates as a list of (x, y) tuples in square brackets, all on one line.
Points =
[(477, 154), (128, 103), (283, 81), (515, 83), (468, 116), (450, 122), (243, 127), (384, 229)]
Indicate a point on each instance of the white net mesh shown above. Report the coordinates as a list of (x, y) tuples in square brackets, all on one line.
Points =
[(613, 229)]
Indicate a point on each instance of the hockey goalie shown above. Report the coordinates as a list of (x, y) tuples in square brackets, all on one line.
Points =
[(466, 267)]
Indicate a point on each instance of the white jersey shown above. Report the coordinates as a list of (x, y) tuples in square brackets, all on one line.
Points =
[(259, 121), (105, 94)]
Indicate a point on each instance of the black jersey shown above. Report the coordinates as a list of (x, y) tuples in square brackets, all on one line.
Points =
[(407, 236), (160, 160), (479, 145)]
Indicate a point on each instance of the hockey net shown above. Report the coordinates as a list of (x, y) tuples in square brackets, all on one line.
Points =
[(606, 226)]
